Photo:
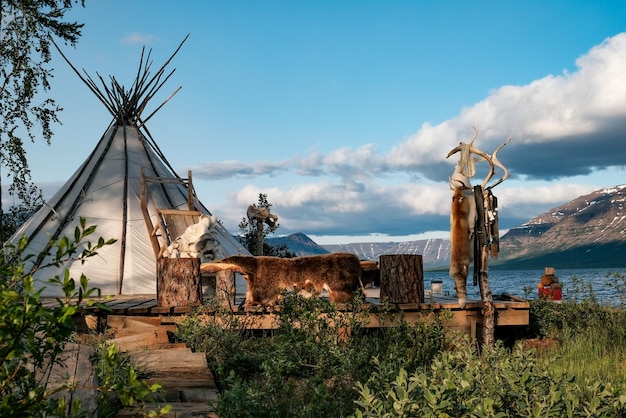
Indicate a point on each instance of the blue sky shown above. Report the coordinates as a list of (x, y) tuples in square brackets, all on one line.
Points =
[(343, 112)]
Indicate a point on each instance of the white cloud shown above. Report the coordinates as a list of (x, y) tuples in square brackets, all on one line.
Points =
[(430, 143), (138, 39), (554, 108)]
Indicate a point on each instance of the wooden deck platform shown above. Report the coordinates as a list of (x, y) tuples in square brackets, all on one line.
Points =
[(511, 311)]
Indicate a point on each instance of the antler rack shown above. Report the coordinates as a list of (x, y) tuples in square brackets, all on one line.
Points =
[(466, 163)]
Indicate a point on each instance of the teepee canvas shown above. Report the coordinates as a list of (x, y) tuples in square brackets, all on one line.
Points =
[(106, 191)]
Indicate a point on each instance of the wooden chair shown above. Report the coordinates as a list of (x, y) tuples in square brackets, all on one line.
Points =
[(171, 222)]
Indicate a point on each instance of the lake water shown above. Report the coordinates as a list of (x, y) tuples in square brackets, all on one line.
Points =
[(577, 283), (523, 283)]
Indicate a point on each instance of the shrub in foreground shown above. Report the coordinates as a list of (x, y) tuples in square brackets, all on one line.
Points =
[(308, 365), (33, 335), (311, 366), (494, 383)]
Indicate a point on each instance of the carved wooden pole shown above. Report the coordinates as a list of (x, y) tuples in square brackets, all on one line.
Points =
[(482, 264), (259, 237)]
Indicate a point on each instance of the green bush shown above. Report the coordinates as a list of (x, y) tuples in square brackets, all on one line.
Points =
[(323, 362), (308, 365), (119, 384), (33, 336), (494, 383)]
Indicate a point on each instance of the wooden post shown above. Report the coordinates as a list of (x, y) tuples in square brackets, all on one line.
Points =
[(488, 311), (225, 287), (259, 237), (401, 278), (178, 282)]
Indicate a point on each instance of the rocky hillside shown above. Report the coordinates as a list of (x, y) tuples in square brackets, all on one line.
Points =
[(298, 243), (365, 250), (589, 231)]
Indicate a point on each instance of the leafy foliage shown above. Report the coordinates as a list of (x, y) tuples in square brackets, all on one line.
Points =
[(26, 31), (320, 361), (33, 334), (308, 365), (494, 383), (119, 383), (590, 337)]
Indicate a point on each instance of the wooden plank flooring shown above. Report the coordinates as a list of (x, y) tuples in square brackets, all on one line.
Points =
[(147, 304), (511, 311)]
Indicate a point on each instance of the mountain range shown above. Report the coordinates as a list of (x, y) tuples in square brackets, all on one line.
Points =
[(589, 231)]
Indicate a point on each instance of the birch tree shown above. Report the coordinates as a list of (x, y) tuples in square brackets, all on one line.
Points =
[(27, 32)]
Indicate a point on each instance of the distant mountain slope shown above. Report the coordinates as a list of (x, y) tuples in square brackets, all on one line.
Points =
[(435, 252), (589, 231), (298, 243), (364, 250)]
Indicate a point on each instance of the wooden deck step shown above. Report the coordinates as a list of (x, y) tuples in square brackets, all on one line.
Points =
[(142, 339), (183, 378), (179, 410), (191, 395), (132, 333), (188, 385), (77, 373), (125, 321), (186, 380), (171, 360), (124, 332)]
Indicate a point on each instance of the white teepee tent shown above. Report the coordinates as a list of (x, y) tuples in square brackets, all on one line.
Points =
[(106, 191)]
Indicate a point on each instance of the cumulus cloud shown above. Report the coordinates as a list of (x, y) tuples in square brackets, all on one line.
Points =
[(237, 169), (561, 126)]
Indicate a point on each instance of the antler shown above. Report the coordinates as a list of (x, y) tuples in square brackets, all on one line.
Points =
[(475, 136), (467, 149), (495, 160)]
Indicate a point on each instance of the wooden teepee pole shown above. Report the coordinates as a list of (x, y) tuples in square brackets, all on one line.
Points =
[(259, 237)]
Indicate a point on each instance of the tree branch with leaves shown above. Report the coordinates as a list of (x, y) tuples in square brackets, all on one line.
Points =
[(27, 29), (253, 232)]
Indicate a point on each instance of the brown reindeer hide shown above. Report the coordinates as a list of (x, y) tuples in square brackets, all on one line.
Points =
[(460, 251), (338, 273)]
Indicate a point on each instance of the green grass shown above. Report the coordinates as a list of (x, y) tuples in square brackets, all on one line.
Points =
[(591, 338), (595, 350)]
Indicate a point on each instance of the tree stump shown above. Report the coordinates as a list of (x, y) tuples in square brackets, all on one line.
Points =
[(225, 287), (401, 278), (178, 282)]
